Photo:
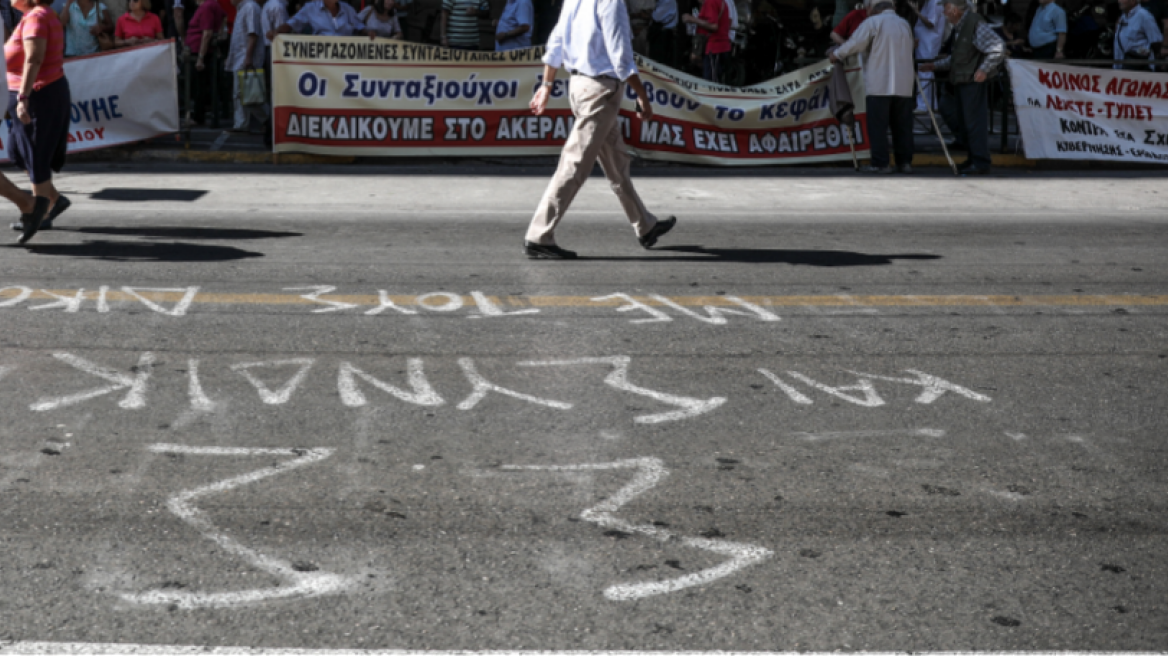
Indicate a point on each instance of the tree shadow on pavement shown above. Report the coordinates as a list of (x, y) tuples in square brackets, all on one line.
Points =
[(184, 233), (772, 256), (125, 251)]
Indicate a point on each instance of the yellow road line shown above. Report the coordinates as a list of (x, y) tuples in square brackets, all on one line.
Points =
[(956, 300)]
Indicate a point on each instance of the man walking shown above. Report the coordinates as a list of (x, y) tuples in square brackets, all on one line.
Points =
[(1048, 32), (977, 53), (886, 41), (592, 40)]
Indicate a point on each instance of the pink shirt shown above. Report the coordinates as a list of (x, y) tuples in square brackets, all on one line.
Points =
[(40, 23), (150, 27), (208, 17)]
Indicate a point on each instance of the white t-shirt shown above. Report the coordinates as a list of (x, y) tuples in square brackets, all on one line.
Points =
[(383, 28)]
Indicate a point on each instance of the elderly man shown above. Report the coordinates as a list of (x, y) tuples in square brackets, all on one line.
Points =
[(977, 53), (1136, 34), (886, 41), (1048, 31), (593, 40)]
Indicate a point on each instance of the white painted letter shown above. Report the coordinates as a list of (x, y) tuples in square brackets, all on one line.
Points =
[(280, 396), (794, 394), (135, 399), (453, 302), (717, 314), (634, 304), (490, 309), (619, 379), (24, 293), (870, 400), (650, 472), (298, 584), (70, 304), (352, 396), (387, 303), (482, 386), (178, 310), (934, 387), (317, 290)]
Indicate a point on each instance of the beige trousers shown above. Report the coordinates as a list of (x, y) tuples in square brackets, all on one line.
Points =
[(594, 137)]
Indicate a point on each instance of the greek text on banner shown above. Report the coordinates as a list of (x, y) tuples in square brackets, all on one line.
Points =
[(1070, 112), (352, 96)]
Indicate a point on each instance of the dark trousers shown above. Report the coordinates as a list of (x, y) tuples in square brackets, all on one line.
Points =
[(40, 146), (662, 44), (712, 66), (1045, 52), (895, 113), (967, 113)]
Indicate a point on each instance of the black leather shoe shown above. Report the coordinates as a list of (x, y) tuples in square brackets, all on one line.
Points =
[(904, 168), (662, 227), (31, 223), (876, 169), (547, 252), (975, 170), (63, 204)]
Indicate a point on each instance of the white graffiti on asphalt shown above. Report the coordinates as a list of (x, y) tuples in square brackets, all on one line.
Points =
[(298, 584), (648, 473), (619, 379), (135, 399)]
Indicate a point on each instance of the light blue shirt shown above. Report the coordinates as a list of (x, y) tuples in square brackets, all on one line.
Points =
[(593, 37), (516, 13), (1049, 22), (1136, 30), (317, 20), (666, 13)]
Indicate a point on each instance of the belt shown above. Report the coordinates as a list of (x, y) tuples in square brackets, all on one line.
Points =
[(594, 77)]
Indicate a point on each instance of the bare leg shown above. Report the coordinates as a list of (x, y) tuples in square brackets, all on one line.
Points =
[(46, 190), (23, 201)]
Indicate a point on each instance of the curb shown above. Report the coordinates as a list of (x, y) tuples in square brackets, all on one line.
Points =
[(926, 160)]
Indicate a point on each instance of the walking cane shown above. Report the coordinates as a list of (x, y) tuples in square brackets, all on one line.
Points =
[(936, 128), (852, 143)]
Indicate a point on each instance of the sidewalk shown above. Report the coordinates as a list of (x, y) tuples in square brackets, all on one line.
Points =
[(208, 145)]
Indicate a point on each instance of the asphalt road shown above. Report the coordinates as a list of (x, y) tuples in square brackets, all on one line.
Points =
[(337, 408)]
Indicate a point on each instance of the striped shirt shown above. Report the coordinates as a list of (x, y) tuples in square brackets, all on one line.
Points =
[(462, 28), (40, 23)]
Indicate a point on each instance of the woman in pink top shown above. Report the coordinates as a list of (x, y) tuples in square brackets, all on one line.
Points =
[(37, 89), (137, 26)]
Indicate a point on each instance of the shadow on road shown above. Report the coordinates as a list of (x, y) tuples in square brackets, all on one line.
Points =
[(131, 194), (184, 233), (771, 256), (125, 251)]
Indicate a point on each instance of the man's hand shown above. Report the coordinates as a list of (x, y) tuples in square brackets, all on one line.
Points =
[(833, 58), (928, 68), (644, 109), (372, 34), (271, 34), (980, 76), (1059, 55), (540, 100)]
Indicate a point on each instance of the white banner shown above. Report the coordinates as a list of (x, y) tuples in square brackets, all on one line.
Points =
[(1069, 112), (120, 97)]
